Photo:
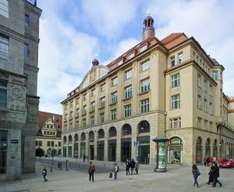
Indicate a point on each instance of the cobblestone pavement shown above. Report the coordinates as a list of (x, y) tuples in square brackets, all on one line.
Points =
[(178, 178)]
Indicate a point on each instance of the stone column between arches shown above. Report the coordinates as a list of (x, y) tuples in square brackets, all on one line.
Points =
[(118, 147)]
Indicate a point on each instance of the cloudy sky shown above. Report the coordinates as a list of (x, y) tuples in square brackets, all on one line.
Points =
[(72, 32)]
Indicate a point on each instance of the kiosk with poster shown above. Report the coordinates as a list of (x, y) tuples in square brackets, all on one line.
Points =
[(161, 154)]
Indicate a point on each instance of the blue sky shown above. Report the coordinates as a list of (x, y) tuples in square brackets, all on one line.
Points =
[(73, 32)]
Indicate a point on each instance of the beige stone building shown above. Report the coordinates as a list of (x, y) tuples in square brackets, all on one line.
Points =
[(48, 140), (167, 87)]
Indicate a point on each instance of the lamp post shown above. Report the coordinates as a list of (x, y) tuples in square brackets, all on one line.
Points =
[(161, 154)]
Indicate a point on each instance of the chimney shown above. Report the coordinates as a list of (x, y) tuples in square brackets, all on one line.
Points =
[(148, 30)]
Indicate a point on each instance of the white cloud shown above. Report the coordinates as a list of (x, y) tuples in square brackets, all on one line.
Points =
[(211, 22), (64, 56), (108, 17)]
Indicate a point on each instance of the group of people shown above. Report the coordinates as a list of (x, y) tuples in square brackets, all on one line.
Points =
[(213, 175), (133, 166)]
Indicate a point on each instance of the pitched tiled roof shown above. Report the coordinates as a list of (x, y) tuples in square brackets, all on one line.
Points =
[(44, 116), (168, 42), (230, 99)]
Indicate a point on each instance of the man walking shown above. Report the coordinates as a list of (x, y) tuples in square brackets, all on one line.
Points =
[(44, 174), (133, 163), (116, 170), (91, 171), (215, 171)]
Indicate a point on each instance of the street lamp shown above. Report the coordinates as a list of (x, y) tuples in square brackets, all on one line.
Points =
[(161, 154)]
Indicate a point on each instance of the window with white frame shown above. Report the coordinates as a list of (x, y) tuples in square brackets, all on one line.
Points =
[(4, 46), (214, 75), (4, 8), (175, 123), (102, 117), (145, 65), (128, 92), (102, 102), (180, 57), (92, 120), (92, 106), (172, 61), (144, 105), (175, 101), (114, 81), (175, 80), (145, 85), (127, 110), (3, 94), (114, 97), (113, 114), (128, 74)]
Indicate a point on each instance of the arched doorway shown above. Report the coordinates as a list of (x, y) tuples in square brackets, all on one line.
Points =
[(91, 145), (215, 149), (83, 146), (199, 150), (76, 146), (175, 150), (126, 142), (100, 145), (64, 146), (112, 144), (40, 152), (143, 142), (207, 148)]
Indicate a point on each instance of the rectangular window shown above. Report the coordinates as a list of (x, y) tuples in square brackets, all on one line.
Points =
[(128, 74), (127, 110), (145, 85), (199, 102), (144, 105), (102, 88), (84, 110), (175, 101), (4, 46), (113, 114), (26, 50), (92, 92), (214, 75), (92, 120), (180, 58), (172, 61), (114, 97), (145, 65), (27, 19), (114, 81), (48, 143), (175, 123), (175, 80), (92, 108), (102, 118), (84, 122), (4, 8), (128, 92), (3, 94), (59, 144), (102, 102)]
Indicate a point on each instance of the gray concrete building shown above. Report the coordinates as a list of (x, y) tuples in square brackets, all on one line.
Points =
[(19, 39)]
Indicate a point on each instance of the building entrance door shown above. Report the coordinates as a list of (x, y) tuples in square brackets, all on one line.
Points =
[(126, 149), (91, 152), (3, 152), (112, 150)]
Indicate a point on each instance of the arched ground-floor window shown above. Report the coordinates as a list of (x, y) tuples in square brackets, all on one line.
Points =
[(112, 150), (143, 149), (126, 145)]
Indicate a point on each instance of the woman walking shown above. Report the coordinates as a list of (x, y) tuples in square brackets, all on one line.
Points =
[(196, 173)]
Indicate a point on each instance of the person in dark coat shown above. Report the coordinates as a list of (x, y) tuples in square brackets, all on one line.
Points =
[(215, 175), (132, 165), (115, 170), (210, 175), (196, 173), (127, 167), (44, 174), (137, 168), (91, 171)]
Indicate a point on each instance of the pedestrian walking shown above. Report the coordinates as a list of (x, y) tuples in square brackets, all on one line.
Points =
[(115, 170), (127, 167), (91, 171), (210, 180), (132, 165), (44, 174), (136, 167), (215, 172), (196, 173)]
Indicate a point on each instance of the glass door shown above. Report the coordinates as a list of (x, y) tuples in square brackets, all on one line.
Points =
[(3, 152)]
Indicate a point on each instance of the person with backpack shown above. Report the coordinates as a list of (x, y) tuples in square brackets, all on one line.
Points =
[(115, 170), (196, 173), (91, 171), (44, 174)]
